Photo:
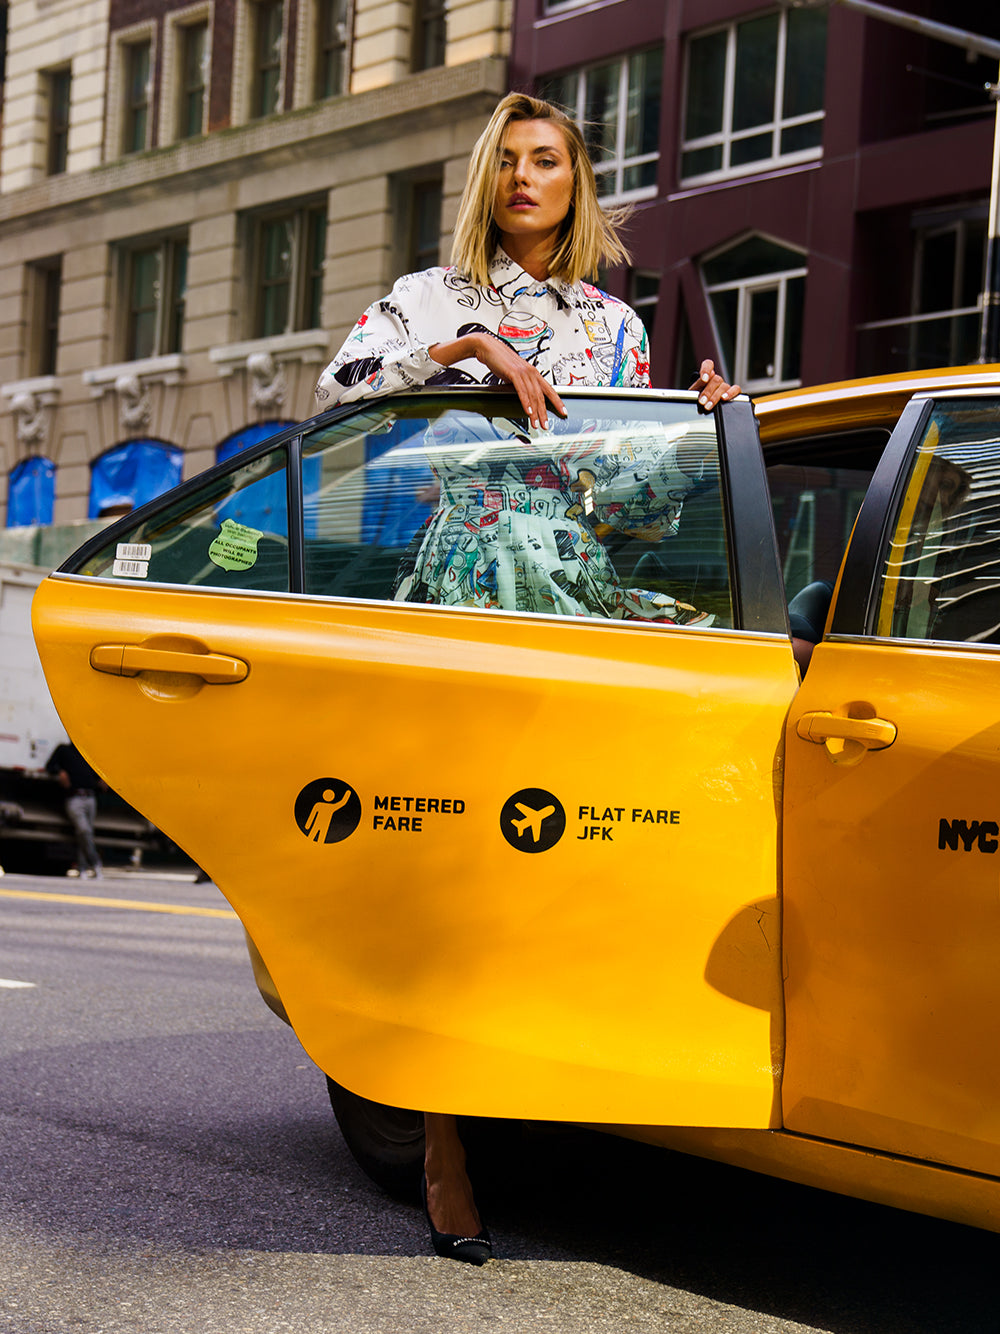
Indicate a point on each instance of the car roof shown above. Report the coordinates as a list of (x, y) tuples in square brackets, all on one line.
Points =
[(858, 404)]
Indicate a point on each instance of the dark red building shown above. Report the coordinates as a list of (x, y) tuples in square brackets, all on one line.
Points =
[(810, 186)]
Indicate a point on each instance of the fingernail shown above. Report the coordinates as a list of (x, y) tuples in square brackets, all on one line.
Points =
[(703, 400), (705, 376)]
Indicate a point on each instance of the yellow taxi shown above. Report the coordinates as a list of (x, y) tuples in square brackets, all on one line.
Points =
[(498, 741)]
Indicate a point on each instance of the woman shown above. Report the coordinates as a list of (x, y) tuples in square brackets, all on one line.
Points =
[(514, 308)]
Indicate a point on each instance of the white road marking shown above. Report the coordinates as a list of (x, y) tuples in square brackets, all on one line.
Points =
[(6, 982)]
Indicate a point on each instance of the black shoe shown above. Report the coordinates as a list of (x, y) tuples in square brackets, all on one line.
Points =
[(472, 1250)]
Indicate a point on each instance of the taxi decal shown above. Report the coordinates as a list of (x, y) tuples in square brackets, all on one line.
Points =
[(327, 810), (963, 834), (235, 548)]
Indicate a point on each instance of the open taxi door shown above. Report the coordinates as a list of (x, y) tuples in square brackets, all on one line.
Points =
[(498, 861)]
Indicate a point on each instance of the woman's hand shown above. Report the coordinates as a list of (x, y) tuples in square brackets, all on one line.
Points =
[(531, 387), (712, 388)]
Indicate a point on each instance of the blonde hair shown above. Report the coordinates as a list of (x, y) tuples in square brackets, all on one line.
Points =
[(589, 233)]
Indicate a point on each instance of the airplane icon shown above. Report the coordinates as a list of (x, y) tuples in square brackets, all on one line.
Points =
[(534, 819)]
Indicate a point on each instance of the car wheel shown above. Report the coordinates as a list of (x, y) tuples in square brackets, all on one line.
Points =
[(387, 1142)]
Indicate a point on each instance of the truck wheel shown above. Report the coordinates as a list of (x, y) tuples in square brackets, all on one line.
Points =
[(387, 1142)]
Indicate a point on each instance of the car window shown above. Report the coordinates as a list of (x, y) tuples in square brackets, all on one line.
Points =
[(233, 532), (614, 512), (817, 485), (941, 574)]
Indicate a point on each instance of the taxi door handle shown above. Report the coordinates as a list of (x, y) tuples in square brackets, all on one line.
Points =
[(130, 659), (869, 733)]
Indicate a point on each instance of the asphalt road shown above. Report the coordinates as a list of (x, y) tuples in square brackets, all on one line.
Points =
[(169, 1162)]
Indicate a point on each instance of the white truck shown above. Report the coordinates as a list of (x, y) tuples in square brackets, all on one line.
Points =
[(35, 835)]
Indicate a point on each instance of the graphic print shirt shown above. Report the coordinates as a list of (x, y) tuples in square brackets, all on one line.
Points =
[(572, 333)]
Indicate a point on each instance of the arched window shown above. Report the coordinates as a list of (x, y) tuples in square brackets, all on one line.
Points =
[(756, 290), (31, 492), (126, 476)]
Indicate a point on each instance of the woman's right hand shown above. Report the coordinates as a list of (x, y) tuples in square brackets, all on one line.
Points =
[(532, 388)]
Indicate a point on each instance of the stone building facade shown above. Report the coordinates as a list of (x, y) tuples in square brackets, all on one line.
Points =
[(197, 199)]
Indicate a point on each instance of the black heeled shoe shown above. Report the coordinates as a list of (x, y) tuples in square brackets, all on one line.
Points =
[(472, 1250)]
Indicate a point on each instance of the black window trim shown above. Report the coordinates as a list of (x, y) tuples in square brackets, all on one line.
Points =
[(855, 609)]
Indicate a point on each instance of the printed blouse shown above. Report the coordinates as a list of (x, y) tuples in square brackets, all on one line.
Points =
[(572, 333)]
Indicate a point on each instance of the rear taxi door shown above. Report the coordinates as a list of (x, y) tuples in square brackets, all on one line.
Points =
[(892, 816), (496, 862)]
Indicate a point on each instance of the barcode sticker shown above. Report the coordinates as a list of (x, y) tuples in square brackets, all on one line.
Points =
[(133, 551), (131, 569)]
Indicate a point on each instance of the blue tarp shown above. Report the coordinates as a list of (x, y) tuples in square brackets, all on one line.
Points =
[(31, 492), (132, 473)]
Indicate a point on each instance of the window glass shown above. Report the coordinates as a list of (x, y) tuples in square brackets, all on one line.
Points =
[(197, 540), (805, 62), (269, 23), (706, 85), (756, 63), (617, 106), (194, 75), (754, 93), (941, 578), (59, 83), (757, 293), (334, 36), (618, 517), (137, 58)]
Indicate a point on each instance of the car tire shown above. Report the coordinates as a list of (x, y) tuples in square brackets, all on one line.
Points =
[(386, 1142)]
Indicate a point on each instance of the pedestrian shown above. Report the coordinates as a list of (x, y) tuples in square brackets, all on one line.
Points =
[(81, 785), (514, 308)]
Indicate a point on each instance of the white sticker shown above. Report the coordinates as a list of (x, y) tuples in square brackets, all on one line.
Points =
[(131, 569), (133, 551)]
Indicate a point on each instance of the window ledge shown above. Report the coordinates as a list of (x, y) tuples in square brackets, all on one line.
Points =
[(162, 370), (43, 387), (309, 345)]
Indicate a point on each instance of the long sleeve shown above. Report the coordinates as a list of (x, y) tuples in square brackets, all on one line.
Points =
[(380, 355)]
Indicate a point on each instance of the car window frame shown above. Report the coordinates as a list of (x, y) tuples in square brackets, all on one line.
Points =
[(756, 584), (856, 603)]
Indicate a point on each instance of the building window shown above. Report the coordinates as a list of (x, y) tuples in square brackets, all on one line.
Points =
[(44, 288), (943, 327), (155, 282), (423, 241), (332, 44), (128, 475), (430, 33), (31, 491), (289, 251), (644, 294), (754, 94), (617, 105), (756, 291), (192, 83), (58, 81), (268, 44), (136, 121)]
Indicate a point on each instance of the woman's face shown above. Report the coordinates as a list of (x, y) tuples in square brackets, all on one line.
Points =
[(535, 185)]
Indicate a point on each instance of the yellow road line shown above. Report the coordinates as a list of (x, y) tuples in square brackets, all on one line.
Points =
[(135, 904)]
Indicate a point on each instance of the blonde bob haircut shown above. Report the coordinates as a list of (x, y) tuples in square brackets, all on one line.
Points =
[(589, 234)]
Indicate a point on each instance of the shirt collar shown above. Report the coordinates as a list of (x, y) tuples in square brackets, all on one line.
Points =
[(506, 273)]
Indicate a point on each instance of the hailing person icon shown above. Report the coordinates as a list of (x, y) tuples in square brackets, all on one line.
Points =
[(318, 824), (322, 816)]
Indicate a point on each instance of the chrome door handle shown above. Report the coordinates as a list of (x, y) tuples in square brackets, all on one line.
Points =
[(217, 669)]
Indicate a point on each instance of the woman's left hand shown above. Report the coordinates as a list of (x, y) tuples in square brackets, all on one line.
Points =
[(711, 388)]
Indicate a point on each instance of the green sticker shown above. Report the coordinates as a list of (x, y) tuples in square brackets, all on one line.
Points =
[(236, 546)]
